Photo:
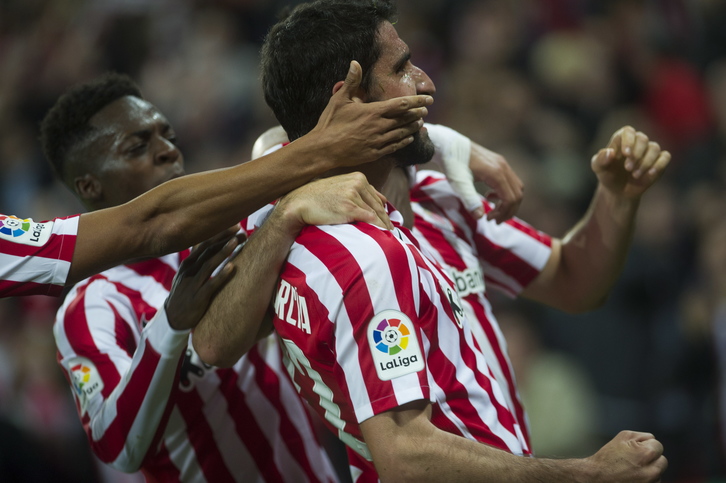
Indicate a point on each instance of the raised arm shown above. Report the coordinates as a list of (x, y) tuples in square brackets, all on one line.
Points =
[(585, 264), (232, 323), (406, 447), (464, 161), (186, 210)]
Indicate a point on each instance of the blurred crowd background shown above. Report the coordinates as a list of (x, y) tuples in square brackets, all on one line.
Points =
[(543, 82)]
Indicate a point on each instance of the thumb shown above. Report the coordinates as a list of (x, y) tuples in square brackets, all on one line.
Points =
[(602, 159), (352, 80)]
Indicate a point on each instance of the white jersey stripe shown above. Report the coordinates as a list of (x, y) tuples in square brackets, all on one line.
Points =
[(205, 437)]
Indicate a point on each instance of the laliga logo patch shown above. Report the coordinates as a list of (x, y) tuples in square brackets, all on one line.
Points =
[(26, 232), (394, 345), (86, 380), (12, 226)]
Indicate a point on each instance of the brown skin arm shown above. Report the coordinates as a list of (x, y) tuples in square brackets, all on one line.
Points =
[(585, 264), (187, 210), (406, 446), (233, 322)]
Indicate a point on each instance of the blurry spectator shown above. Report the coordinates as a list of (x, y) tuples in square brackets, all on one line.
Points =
[(536, 80), (556, 391)]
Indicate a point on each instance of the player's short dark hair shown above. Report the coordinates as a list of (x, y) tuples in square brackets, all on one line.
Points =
[(67, 122), (307, 52)]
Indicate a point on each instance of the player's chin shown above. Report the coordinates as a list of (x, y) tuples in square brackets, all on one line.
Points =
[(420, 151)]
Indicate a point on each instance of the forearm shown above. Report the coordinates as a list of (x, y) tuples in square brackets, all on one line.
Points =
[(187, 210), (198, 206), (141, 397), (594, 251), (441, 456), (233, 321)]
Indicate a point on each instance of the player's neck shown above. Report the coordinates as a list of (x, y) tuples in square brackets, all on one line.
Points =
[(377, 171), (397, 190)]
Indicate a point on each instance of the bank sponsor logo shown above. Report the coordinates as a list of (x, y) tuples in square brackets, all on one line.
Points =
[(468, 281), (24, 231), (86, 380), (394, 345)]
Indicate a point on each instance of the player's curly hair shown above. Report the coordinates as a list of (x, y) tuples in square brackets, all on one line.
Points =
[(307, 52), (67, 123)]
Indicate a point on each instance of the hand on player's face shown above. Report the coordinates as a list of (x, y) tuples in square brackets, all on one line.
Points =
[(351, 132)]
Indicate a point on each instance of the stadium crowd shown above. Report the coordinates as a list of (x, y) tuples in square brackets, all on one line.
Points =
[(543, 82)]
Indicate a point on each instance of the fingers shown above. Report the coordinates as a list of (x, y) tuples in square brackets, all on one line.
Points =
[(338, 199), (642, 156), (648, 155), (509, 196), (401, 105), (407, 117), (602, 159), (367, 204), (503, 209), (391, 146), (623, 141), (640, 146), (352, 80), (397, 132), (213, 283), (376, 202), (216, 249)]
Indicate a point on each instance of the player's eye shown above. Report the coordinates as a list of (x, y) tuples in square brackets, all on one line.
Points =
[(137, 149)]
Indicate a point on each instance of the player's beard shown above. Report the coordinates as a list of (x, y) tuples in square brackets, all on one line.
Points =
[(420, 151)]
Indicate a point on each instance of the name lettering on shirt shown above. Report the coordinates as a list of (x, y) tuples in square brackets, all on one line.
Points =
[(25, 232), (292, 307), (394, 345)]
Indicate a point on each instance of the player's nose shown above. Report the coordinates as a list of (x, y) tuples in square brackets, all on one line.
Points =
[(424, 84)]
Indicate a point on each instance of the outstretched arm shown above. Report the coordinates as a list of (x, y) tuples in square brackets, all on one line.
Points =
[(585, 264), (462, 160), (406, 447), (233, 321), (186, 210)]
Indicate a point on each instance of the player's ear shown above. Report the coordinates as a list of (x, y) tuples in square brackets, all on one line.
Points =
[(358, 92), (88, 187)]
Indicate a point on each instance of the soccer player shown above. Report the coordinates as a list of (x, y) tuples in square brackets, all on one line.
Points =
[(40, 257), (145, 398), (375, 333)]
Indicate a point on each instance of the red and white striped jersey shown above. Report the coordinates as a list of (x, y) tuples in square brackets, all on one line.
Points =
[(369, 323), (131, 373), (479, 254), (476, 254), (35, 257)]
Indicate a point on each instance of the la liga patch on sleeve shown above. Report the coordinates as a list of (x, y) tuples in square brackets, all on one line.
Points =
[(25, 232), (394, 345), (86, 380)]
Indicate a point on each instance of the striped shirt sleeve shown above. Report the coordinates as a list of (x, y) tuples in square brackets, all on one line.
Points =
[(120, 377), (361, 274), (35, 257), (512, 253)]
